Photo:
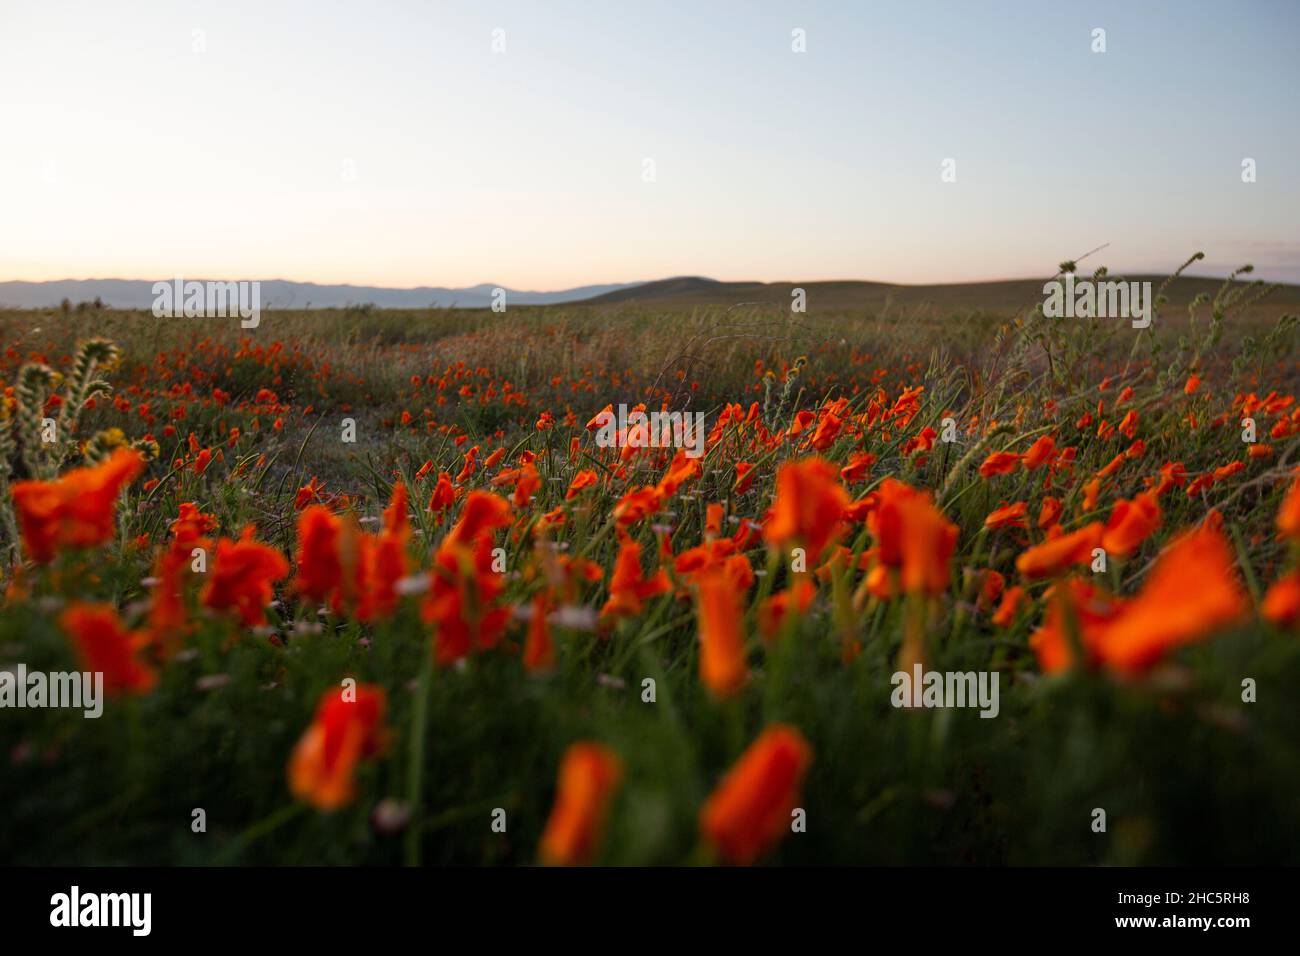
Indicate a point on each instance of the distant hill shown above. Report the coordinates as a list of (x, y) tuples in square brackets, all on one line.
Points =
[(680, 292), (1009, 294), (282, 294)]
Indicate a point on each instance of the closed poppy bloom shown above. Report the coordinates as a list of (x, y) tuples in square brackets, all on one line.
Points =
[(539, 649), (1010, 516), (106, 647), (384, 560), (722, 645), (589, 776), (1193, 383), (744, 477), (1057, 554), (1012, 598), (242, 578), (992, 584), (1281, 603), (750, 809), (1131, 523), (348, 728), (1259, 452), (1041, 452), (809, 508), (76, 510), (1288, 516), (1128, 425), (1050, 513), (913, 536), (320, 571), (444, 495), (1228, 470), (999, 463)]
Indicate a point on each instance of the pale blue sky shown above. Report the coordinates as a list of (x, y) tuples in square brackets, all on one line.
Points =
[(385, 143)]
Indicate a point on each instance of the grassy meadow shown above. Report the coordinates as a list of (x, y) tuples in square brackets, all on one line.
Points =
[(539, 649)]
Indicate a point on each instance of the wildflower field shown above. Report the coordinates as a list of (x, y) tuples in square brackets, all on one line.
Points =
[(365, 588)]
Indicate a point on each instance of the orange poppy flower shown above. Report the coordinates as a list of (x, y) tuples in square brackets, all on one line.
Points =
[(1192, 591), (1131, 523), (797, 598), (628, 586), (1010, 516), (750, 809), (464, 588), (1041, 452), (636, 505), (348, 728), (722, 645), (859, 464), (106, 647), (1057, 554), (539, 649), (320, 572), (243, 577), (1050, 513), (744, 477), (1281, 603), (75, 510), (1288, 516), (913, 536), (999, 463), (809, 508), (589, 776), (583, 479), (1012, 598)]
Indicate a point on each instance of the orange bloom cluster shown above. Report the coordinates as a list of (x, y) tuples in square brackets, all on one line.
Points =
[(1192, 591), (352, 570), (464, 588)]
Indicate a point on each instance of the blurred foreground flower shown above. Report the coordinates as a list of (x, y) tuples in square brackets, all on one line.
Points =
[(751, 808), (589, 775), (1191, 593), (74, 510), (348, 728)]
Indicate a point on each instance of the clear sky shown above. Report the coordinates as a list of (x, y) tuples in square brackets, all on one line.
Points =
[(384, 142)]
